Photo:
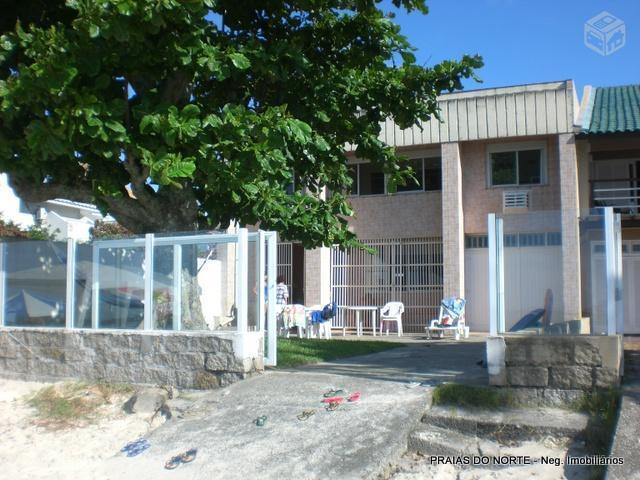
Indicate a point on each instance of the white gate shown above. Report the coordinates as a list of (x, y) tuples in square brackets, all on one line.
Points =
[(406, 270), (630, 281)]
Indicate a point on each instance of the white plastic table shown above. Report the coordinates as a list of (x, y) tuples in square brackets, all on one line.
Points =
[(358, 309)]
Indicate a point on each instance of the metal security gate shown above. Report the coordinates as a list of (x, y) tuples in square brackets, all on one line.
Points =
[(285, 264), (406, 270)]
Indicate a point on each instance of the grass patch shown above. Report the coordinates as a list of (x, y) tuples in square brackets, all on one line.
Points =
[(472, 396), (293, 352), (71, 404), (602, 406)]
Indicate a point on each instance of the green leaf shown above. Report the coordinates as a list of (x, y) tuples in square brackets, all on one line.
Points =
[(94, 31), (239, 61), (115, 126), (191, 111)]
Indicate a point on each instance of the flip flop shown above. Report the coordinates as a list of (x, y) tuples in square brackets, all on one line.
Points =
[(332, 406), (173, 462), (354, 397), (189, 455), (136, 447), (333, 400), (333, 393), (305, 415), (260, 421)]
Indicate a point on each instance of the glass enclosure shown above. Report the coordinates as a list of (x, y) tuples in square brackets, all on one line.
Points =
[(555, 273), (188, 282)]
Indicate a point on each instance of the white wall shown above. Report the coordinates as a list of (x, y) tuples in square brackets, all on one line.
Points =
[(10, 205)]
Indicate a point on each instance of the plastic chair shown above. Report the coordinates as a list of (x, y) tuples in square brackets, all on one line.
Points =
[(392, 312)]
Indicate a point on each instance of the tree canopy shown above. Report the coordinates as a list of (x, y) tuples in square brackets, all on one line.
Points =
[(190, 114)]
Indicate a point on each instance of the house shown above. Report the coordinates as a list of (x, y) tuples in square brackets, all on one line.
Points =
[(68, 219), (496, 150), (608, 144), (523, 149)]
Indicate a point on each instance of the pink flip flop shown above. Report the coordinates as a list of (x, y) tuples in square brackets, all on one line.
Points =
[(333, 400), (354, 397)]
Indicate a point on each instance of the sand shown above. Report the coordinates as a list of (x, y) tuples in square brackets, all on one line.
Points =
[(30, 451)]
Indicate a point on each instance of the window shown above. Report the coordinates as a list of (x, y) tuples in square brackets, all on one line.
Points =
[(372, 179), (369, 179), (516, 167), (433, 174), (353, 173), (414, 184)]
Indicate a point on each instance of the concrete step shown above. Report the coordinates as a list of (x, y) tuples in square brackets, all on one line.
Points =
[(431, 440), (508, 424)]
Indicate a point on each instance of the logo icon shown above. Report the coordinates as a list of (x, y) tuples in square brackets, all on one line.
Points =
[(605, 33)]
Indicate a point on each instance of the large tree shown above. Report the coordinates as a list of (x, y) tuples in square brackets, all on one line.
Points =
[(189, 114)]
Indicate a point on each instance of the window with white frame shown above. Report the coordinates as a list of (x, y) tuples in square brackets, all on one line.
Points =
[(516, 165), (369, 179)]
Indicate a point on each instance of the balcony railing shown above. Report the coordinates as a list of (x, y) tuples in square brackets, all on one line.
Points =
[(623, 194)]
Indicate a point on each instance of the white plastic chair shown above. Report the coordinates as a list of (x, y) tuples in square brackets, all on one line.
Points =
[(392, 312)]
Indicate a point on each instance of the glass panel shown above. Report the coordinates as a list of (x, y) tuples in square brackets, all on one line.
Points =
[(372, 179), (84, 286), (433, 174), (533, 281), (253, 314), (208, 286), (36, 279), (529, 167), (121, 277), (593, 269), (417, 183), (353, 173), (503, 168), (163, 291)]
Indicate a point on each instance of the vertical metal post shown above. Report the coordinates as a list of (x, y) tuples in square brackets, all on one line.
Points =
[(496, 275), (260, 273), (617, 225), (177, 287), (95, 288), (3, 268), (70, 309), (242, 276), (272, 255), (610, 268), (148, 281)]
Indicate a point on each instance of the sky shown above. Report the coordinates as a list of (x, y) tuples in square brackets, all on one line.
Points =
[(525, 41)]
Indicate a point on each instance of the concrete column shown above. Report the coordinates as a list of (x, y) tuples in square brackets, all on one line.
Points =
[(317, 276), (452, 220), (569, 205)]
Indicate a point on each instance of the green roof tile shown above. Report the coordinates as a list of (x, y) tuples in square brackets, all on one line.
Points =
[(616, 110)]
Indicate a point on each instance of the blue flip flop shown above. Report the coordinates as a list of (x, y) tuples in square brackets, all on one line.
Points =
[(136, 447)]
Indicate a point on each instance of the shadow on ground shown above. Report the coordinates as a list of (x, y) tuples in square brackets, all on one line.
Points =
[(431, 362)]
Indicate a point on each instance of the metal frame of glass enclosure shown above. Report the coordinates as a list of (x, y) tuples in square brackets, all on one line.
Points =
[(266, 261)]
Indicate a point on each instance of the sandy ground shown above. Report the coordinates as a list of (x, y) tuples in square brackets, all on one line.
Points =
[(30, 451)]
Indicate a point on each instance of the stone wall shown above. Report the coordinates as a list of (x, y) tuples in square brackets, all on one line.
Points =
[(185, 359), (563, 362)]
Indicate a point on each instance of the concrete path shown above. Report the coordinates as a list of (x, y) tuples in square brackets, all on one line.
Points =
[(356, 441), (625, 442)]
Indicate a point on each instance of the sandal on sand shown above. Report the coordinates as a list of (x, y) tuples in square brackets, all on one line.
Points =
[(306, 414), (333, 393), (173, 462), (189, 455), (260, 421), (332, 406)]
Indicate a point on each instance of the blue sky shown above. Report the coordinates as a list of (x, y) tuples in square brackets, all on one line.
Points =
[(526, 41)]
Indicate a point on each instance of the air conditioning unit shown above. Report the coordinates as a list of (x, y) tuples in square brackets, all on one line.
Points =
[(515, 200)]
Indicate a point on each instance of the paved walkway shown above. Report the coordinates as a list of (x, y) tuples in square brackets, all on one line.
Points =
[(358, 440), (625, 442)]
